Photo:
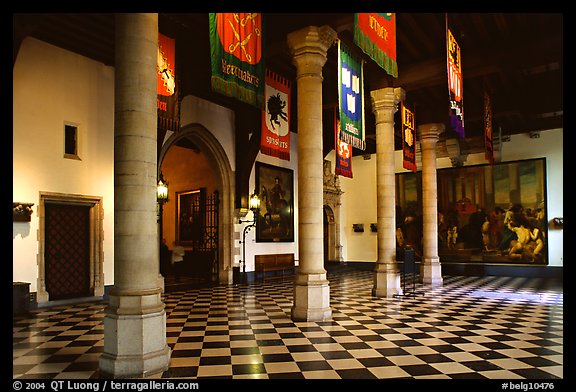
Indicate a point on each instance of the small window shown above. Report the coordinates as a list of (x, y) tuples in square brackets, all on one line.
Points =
[(71, 141)]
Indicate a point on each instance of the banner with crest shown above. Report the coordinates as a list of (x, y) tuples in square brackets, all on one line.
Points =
[(275, 135), (167, 97), (237, 55), (351, 97), (343, 151), (455, 83), (375, 34), (408, 138)]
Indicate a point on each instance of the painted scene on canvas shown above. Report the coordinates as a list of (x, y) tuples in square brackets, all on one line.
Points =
[(486, 213)]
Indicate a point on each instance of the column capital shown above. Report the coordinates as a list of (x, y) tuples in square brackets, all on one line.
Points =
[(387, 98), (430, 132), (311, 40)]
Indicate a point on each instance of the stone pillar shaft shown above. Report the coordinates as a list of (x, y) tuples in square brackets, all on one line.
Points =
[(135, 322), (311, 289), (430, 268), (384, 105)]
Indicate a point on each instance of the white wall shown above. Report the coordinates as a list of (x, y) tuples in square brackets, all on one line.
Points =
[(259, 248), (359, 198), (216, 119), (52, 86)]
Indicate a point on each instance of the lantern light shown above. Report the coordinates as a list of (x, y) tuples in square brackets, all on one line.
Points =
[(162, 189)]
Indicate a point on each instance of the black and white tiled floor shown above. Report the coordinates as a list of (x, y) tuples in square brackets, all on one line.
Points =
[(470, 327)]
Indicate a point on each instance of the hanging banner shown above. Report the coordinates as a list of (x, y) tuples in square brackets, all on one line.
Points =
[(351, 98), (275, 139), (167, 97), (408, 138), (488, 136), (166, 82), (455, 83), (375, 34), (236, 49), (343, 151)]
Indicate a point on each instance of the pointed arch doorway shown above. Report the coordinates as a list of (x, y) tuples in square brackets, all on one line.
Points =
[(197, 218), (332, 203)]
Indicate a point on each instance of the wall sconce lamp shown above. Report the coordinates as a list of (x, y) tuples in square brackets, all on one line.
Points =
[(162, 190), (254, 204), (161, 198)]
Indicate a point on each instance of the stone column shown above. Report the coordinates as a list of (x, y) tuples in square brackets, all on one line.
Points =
[(430, 268), (135, 321), (311, 288), (386, 277)]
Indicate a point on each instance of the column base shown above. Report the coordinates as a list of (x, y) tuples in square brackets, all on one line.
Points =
[(153, 365), (311, 298), (135, 337), (386, 281), (431, 272)]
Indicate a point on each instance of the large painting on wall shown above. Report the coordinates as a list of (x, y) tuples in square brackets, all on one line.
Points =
[(275, 187), (486, 213), (190, 216)]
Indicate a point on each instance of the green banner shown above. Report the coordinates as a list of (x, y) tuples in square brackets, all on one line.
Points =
[(236, 49), (351, 98)]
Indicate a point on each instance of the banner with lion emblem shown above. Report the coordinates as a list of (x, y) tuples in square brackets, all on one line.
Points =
[(275, 139)]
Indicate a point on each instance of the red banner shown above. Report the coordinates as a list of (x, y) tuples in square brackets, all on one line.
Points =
[(237, 56), (343, 151), (408, 139), (488, 136), (167, 95), (375, 34), (275, 139), (455, 83), (166, 65)]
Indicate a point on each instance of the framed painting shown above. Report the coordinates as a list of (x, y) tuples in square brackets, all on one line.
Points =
[(275, 187), (486, 213), (190, 216)]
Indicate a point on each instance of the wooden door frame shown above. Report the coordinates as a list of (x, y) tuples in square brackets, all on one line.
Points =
[(96, 216)]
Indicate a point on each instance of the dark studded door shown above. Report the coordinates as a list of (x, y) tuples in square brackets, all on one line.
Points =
[(67, 251)]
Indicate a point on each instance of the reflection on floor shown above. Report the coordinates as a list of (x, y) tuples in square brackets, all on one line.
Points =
[(471, 327)]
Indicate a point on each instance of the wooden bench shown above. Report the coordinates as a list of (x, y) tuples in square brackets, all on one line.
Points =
[(283, 263)]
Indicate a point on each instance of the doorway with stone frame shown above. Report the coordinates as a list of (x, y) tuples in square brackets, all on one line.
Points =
[(70, 248), (332, 202), (199, 139)]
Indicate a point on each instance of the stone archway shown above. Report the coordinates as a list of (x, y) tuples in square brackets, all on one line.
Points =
[(222, 170)]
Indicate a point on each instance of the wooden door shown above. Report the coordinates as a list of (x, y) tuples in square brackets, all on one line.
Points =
[(67, 251)]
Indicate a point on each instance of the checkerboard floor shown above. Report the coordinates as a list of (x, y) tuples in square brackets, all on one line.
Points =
[(470, 327)]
